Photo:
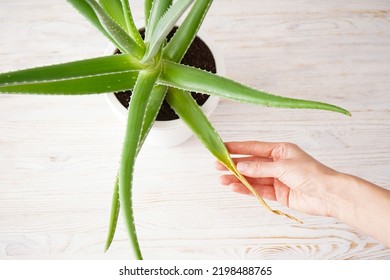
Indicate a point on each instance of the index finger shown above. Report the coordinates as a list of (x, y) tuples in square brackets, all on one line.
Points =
[(256, 148), (219, 166)]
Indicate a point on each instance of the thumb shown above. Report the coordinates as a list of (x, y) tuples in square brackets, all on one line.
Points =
[(259, 169)]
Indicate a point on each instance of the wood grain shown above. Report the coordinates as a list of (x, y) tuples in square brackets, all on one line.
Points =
[(59, 155)]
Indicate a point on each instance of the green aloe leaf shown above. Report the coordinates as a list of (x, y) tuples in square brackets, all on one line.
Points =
[(139, 100), (130, 25), (92, 11), (192, 79), (114, 9), (181, 41), (164, 26), (147, 9), (123, 40), (96, 75), (89, 13), (152, 108), (120, 11), (71, 70), (77, 86), (158, 8), (115, 206), (187, 109)]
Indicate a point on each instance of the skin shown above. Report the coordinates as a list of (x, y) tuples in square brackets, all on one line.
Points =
[(285, 173)]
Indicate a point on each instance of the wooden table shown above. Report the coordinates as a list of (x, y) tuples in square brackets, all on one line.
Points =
[(59, 155)]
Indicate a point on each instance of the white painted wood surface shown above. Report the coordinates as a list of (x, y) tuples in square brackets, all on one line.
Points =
[(59, 155)]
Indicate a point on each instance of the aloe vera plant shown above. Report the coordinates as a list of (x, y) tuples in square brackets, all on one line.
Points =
[(151, 68)]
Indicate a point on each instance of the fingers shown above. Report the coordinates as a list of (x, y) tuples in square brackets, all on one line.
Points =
[(261, 169), (278, 192), (262, 149), (219, 166), (282, 193), (267, 192), (231, 179)]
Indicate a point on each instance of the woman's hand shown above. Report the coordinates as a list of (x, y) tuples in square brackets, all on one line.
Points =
[(282, 172), (285, 173)]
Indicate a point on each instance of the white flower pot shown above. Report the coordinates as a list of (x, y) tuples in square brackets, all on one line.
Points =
[(174, 132)]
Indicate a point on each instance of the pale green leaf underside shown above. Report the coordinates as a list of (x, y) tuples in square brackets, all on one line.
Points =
[(158, 9), (97, 15), (122, 39), (192, 79), (164, 26)]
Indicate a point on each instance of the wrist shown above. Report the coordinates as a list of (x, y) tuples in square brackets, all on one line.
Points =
[(361, 205), (340, 196)]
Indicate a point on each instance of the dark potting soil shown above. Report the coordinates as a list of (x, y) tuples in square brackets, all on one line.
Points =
[(198, 55)]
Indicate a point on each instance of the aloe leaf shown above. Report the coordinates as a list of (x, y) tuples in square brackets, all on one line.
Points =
[(185, 106), (115, 206), (88, 12), (152, 108), (187, 109), (117, 35), (96, 75), (130, 25), (192, 79), (154, 104), (139, 100), (120, 11), (106, 83), (158, 8), (181, 41), (115, 10), (71, 70), (147, 9), (164, 26), (123, 40)]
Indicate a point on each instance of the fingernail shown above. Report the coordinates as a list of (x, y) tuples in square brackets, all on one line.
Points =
[(242, 166)]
